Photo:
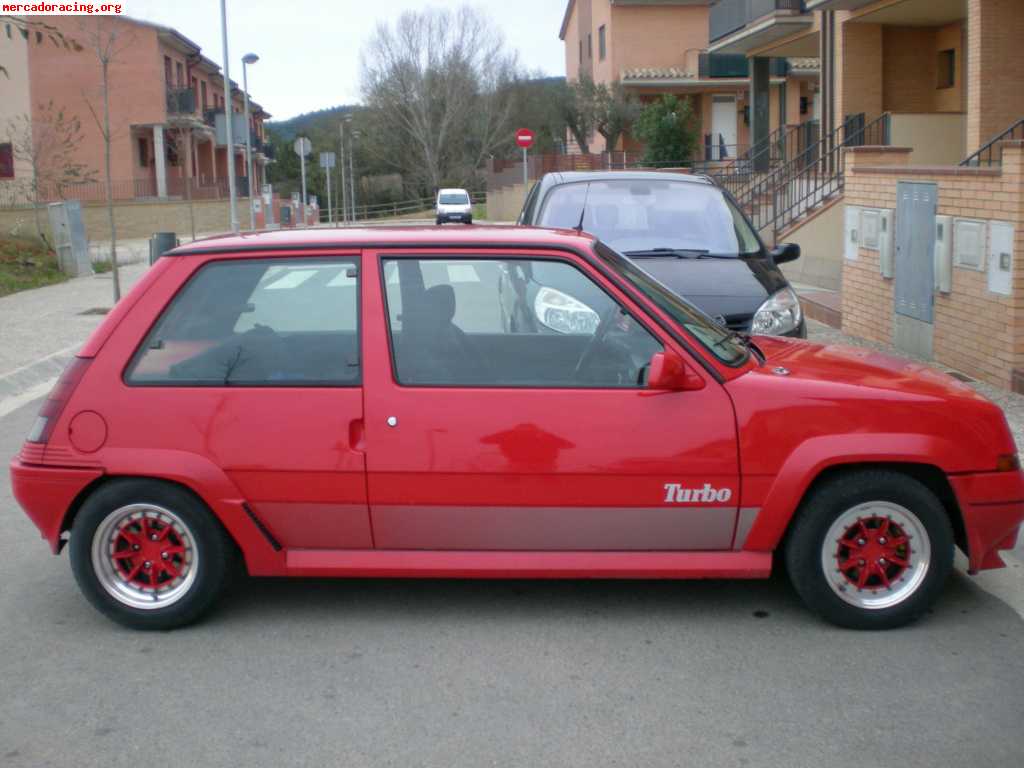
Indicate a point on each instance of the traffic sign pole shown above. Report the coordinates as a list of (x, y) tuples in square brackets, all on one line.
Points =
[(330, 213), (526, 170), (303, 159)]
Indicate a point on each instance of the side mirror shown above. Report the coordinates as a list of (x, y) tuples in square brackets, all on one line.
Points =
[(669, 371), (785, 253)]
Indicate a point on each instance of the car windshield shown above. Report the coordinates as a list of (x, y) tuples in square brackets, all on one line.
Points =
[(455, 198), (652, 216), (720, 341)]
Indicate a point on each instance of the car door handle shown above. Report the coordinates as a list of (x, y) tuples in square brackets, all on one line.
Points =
[(356, 435)]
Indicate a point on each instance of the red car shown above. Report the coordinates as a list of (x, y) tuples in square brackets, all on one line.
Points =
[(353, 403)]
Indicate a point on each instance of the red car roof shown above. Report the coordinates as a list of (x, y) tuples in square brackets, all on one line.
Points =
[(420, 236)]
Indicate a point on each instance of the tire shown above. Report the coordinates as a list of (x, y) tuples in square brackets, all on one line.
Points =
[(859, 571), (438, 222), (196, 554), (469, 220)]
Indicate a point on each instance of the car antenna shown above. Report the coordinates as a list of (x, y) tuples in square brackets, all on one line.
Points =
[(583, 210)]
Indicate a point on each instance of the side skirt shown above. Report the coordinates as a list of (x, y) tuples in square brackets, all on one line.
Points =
[(527, 565)]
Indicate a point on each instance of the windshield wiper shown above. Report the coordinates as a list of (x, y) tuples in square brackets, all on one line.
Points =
[(679, 253)]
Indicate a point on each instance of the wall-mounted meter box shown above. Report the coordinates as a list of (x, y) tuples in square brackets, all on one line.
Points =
[(869, 228), (851, 232), (1000, 258), (886, 244), (969, 244), (944, 254)]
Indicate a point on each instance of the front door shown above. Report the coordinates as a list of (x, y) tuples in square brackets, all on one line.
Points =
[(506, 410), (914, 289), (723, 127)]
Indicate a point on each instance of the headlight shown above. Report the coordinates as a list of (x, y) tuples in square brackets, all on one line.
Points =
[(780, 314), (563, 313)]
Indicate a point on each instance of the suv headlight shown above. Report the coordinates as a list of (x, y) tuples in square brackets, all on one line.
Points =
[(561, 312), (780, 314)]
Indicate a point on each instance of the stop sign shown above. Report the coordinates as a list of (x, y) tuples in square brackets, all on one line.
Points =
[(524, 138)]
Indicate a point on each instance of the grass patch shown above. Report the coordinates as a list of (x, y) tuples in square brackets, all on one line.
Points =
[(479, 211), (26, 264), (101, 267)]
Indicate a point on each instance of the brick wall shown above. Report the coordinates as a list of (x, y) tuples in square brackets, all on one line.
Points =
[(975, 331), (995, 68)]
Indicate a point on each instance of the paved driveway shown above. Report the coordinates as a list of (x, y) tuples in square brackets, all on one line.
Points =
[(474, 673)]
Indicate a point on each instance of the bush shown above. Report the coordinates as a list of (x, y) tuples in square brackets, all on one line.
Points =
[(669, 130)]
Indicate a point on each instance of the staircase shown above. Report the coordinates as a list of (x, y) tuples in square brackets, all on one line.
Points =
[(804, 175)]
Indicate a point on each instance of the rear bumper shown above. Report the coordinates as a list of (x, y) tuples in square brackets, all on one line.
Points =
[(992, 504), (46, 494)]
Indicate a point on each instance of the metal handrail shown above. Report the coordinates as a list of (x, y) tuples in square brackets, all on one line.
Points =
[(986, 155), (775, 199)]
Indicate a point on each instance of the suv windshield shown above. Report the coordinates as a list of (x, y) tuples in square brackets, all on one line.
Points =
[(455, 198), (644, 215), (718, 340)]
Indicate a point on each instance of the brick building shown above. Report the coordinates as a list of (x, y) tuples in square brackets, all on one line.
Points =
[(168, 110), (655, 48)]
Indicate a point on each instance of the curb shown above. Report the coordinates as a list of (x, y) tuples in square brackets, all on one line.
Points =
[(31, 377)]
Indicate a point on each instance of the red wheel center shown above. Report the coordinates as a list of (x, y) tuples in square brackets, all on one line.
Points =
[(148, 553), (873, 553)]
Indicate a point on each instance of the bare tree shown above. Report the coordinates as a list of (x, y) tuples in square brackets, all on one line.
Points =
[(436, 81), (49, 144), (105, 38)]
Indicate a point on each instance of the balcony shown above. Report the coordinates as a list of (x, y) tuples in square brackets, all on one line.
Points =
[(181, 101), (734, 65), (740, 26)]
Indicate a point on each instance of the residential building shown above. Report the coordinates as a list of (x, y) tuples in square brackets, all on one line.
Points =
[(168, 110), (912, 203), (657, 48), (14, 100)]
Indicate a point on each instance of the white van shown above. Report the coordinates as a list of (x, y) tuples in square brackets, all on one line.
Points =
[(454, 205)]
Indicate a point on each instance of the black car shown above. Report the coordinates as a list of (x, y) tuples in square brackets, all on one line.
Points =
[(683, 230)]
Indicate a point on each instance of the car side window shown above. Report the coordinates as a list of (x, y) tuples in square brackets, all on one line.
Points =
[(515, 322), (259, 322)]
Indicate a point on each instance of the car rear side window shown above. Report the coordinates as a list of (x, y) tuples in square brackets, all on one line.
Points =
[(510, 322), (259, 322)]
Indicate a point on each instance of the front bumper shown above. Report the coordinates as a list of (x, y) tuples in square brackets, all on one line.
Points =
[(47, 493), (462, 217), (992, 504)]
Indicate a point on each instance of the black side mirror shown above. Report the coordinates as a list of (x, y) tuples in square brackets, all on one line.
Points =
[(785, 253)]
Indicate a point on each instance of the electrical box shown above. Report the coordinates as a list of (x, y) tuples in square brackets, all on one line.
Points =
[(851, 232), (1000, 258), (886, 244), (869, 228), (943, 254), (969, 244)]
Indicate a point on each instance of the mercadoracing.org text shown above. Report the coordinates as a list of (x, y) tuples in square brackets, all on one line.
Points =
[(59, 9)]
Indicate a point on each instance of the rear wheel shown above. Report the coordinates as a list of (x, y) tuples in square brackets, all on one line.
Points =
[(148, 554), (870, 550)]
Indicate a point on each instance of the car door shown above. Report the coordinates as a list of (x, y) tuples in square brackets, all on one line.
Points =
[(483, 438), (255, 367)]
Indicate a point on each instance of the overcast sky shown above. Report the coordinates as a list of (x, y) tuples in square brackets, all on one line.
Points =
[(309, 49)]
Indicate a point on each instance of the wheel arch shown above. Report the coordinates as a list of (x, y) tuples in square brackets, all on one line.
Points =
[(803, 472)]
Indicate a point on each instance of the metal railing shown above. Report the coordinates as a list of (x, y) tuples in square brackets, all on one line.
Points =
[(181, 101), (404, 208), (991, 153), (776, 199), (728, 16)]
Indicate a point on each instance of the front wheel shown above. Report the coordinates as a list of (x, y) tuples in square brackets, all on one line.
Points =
[(148, 554), (870, 550)]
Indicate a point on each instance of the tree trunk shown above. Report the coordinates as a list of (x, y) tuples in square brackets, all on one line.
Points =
[(110, 186)]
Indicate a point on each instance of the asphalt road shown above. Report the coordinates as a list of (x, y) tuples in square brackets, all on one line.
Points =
[(435, 673)]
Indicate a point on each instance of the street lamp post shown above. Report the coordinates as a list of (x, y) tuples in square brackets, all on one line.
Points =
[(228, 112), (249, 58), (353, 135)]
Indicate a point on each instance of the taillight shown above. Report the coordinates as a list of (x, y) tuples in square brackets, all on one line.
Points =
[(57, 399)]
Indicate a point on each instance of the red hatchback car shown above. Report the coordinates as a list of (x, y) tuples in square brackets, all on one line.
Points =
[(358, 403)]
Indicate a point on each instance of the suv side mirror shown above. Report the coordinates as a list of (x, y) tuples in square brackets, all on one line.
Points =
[(785, 253), (669, 371)]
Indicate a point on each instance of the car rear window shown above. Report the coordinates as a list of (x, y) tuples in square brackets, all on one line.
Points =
[(259, 322), (649, 214)]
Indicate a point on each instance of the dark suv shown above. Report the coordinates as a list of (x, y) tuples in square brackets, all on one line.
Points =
[(683, 230)]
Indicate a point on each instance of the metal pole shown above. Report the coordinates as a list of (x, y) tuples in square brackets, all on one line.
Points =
[(344, 193), (248, 144), (302, 158), (330, 213), (526, 172), (352, 176), (228, 113)]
